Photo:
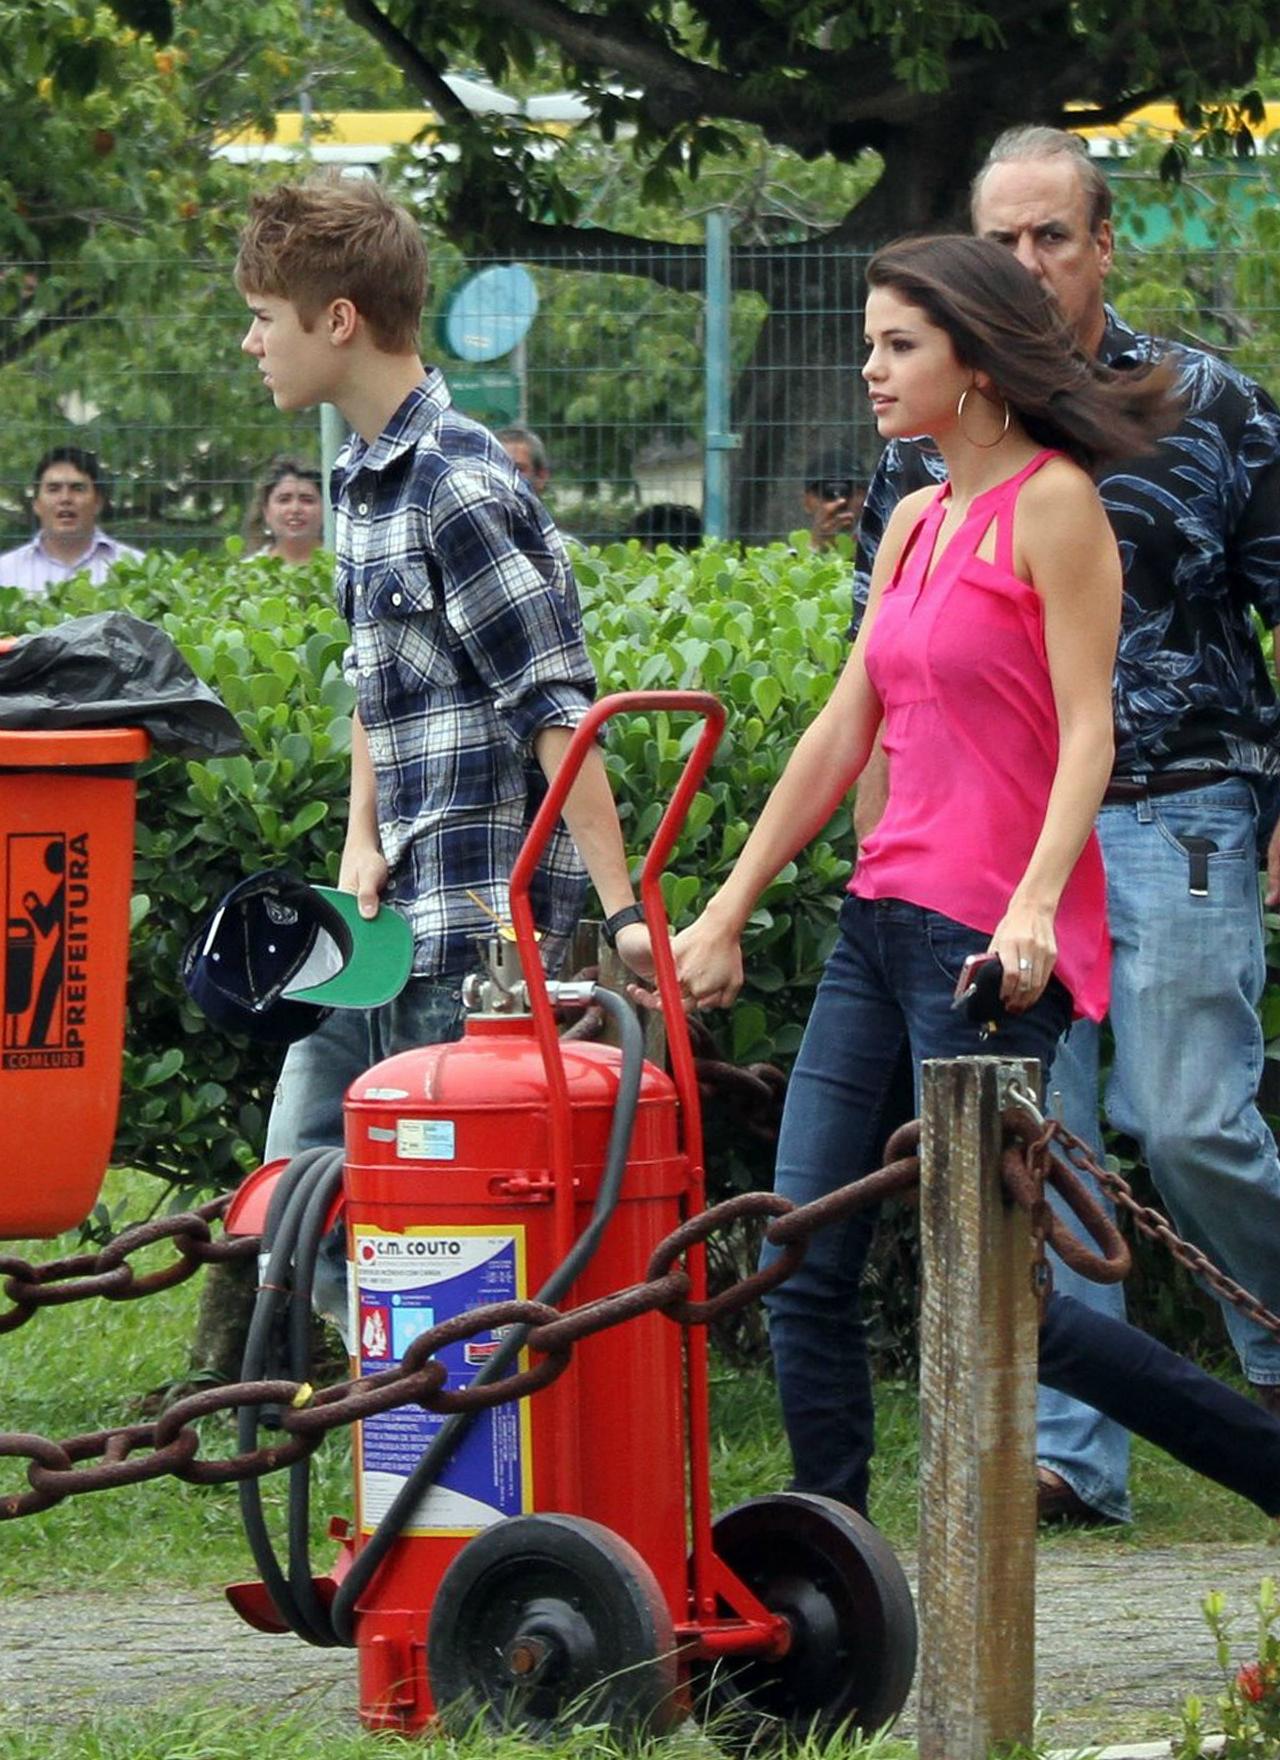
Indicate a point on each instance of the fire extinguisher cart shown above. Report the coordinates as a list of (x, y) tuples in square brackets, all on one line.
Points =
[(556, 1555)]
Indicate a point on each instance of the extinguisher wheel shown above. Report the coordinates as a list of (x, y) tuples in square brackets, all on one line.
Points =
[(545, 1618), (853, 1624)]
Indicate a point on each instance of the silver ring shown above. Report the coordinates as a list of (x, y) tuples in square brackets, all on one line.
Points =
[(1024, 965)]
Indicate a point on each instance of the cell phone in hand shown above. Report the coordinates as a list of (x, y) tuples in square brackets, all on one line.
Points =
[(978, 988)]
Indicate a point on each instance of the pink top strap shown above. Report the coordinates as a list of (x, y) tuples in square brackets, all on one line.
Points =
[(1005, 496)]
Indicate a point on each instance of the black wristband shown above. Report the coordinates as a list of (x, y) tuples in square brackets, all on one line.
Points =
[(623, 919)]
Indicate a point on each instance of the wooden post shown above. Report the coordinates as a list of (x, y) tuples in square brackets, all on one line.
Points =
[(591, 948), (977, 1421)]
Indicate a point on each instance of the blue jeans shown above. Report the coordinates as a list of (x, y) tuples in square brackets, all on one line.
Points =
[(887, 988), (1187, 975), (318, 1070)]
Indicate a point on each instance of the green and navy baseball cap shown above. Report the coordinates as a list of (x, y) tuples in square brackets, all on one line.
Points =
[(277, 954)]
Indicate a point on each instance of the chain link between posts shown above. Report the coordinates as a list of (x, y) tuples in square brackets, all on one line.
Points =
[(1036, 1155)]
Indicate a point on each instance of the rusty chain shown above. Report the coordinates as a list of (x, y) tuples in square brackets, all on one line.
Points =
[(107, 1273), (139, 1452), (1154, 1226)]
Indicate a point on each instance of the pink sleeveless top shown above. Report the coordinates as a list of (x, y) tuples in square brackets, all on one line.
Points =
[(971, 734)]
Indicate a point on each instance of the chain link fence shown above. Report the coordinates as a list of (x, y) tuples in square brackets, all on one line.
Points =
[(138, 360)]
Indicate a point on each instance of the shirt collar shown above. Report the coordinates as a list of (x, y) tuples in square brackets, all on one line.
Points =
[(1122, 346), (98, 543), (413, 420)]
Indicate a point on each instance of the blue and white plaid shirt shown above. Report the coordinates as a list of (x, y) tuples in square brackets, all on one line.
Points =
[(466, 643)]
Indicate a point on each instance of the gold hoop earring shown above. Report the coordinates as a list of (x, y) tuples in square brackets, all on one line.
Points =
[(984, 445)]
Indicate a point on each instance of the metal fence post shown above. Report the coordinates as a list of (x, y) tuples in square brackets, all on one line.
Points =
[(333, 433), (718, 441), (978, 1329)]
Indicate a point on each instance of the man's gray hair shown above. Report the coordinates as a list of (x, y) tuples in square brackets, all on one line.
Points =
[(526, 437), (1034, 141)]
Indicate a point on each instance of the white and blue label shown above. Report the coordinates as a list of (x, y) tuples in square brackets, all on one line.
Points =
[(402, 1285)]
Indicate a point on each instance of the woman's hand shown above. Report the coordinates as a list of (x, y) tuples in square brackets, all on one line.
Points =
[(708, 956), (1028, 950)]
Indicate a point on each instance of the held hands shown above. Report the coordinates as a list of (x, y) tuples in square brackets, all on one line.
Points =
[(708, 956), (1028, 949), (708, 962)]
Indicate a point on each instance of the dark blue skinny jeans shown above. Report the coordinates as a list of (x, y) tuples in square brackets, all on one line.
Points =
[(886, 990)]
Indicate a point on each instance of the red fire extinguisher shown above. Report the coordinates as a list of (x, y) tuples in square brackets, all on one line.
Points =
[(558, 1552)]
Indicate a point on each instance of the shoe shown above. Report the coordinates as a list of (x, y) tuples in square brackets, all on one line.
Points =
[(1057, 1502), (1267, 1396)]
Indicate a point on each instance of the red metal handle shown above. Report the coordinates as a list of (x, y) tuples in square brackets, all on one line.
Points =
[(696, 766)]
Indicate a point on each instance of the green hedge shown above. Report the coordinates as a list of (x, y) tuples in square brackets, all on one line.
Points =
[(765, 632)]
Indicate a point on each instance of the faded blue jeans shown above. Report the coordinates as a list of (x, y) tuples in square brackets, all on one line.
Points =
[(1186, 978), (318, 1070), (887, 988)]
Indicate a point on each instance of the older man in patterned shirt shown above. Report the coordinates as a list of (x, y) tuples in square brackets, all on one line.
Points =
[(1197, 720)]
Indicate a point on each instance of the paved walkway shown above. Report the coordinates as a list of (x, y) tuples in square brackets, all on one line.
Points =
[(1120, 1640)]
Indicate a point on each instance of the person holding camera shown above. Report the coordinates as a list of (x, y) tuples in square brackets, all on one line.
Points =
[(833, 495)]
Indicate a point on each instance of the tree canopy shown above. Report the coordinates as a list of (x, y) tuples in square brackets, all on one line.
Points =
[(923, 86)]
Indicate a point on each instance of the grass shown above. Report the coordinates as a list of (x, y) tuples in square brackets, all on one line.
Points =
[(196, 1733)]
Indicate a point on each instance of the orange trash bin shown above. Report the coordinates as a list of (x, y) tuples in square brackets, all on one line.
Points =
[(66, 871)]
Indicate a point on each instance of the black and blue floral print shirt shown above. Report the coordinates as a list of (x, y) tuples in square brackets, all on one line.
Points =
[(1198, 525)]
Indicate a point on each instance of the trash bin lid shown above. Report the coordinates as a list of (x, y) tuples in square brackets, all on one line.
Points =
[(67, 748)]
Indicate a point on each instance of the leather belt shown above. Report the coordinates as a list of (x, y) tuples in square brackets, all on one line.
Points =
[(1140, 788)]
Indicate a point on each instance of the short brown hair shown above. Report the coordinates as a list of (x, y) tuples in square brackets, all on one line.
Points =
[(335, 237), (1036, 141)]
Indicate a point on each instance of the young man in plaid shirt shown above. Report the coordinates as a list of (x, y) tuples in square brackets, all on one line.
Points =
[(467, 655)]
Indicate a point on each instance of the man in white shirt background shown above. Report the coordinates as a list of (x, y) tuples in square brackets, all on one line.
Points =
[(68, 500)]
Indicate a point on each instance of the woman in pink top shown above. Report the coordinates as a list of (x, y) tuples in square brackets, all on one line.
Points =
[(986, 652)]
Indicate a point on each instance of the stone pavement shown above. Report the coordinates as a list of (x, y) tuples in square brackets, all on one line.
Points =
[(1120, 1640)]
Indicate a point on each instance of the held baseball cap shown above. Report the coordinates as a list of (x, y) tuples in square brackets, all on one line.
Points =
[(277, 955)]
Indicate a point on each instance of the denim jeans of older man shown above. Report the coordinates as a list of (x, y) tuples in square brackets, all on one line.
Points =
[(887, 987), (1187, 973)]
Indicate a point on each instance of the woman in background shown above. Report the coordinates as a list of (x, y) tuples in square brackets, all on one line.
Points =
[(286, 514)]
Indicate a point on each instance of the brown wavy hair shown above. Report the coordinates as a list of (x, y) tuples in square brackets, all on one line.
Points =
[(1002, 322)]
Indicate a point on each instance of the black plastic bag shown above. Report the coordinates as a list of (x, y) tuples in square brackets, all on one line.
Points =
[(113, 670)]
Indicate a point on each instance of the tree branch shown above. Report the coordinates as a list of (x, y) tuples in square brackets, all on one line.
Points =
[(75, 307), (423, 74)]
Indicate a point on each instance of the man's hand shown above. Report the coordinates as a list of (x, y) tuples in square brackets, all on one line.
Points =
[(635, 950), (364, 871), (829, 519)]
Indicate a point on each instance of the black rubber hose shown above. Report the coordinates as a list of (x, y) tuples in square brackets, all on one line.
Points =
[(311, 1231), (263, 1352), (455, 1427)]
